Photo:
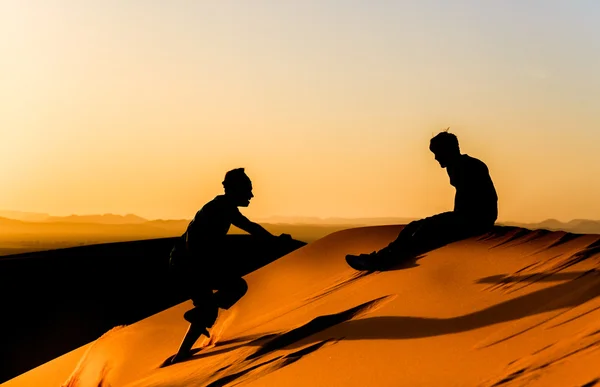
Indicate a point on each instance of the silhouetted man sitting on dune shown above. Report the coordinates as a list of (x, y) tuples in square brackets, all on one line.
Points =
[(199, 261), (475, 210)]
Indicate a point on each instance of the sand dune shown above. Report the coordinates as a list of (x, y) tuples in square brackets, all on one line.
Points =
[(61, 299), (512, 308)]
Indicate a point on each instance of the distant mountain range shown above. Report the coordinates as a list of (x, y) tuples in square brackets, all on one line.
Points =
[(96, 219), (313, 220), (91, 225), (577, 226), (14, 218)]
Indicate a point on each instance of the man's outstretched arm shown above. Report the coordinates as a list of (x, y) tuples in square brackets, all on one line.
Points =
[(250, 227)]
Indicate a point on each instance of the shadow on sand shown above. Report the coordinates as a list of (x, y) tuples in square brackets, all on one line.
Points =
[(56, 301), (579, 288)]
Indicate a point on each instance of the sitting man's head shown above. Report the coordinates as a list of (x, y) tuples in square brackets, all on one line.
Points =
[(238, 187), (445, 148)]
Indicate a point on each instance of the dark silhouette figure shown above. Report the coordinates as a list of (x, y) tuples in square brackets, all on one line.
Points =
[(201, 263), (475, 210)]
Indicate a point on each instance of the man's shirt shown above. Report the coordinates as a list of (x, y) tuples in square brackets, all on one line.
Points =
[(476, 196)]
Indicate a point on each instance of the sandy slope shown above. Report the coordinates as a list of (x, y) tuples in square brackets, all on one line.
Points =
[(513, 308)]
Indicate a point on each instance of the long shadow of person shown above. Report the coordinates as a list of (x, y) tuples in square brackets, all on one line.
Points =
[(583, 287), (580, 287)]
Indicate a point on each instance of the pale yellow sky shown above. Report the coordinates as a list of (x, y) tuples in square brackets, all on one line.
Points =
[(142, 106)]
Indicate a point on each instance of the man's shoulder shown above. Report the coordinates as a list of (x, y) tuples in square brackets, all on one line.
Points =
[(216, 203), (211, 205), (220, 203), (473, 162)]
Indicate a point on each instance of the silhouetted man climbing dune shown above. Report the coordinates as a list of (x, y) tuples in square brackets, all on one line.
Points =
[(200, 259), (475, 210)]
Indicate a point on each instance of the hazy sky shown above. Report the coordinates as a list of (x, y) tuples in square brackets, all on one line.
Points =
[(142, 106)]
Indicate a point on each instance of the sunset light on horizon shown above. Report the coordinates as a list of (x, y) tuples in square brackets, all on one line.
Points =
[(140, 107)]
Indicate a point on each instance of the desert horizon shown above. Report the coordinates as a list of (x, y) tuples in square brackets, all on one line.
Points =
[(131, 218), (23, 232)]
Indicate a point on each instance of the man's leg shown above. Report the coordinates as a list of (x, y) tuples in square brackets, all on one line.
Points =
[(207, 304), (192, 335), (401, 240), (445, 228), (405, 235), (384, 257), (419, 237), (230, 291), (202, 316), (205, 309)]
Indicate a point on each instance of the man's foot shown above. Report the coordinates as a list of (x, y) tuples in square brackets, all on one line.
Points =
[(367, 262), (358, 262), (376, 260), (191, 336), (179, 357)]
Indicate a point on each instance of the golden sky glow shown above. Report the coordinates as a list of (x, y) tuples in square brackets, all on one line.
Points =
[(142, 106)]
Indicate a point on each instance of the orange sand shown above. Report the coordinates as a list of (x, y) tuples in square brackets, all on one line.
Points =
[(515, 308)]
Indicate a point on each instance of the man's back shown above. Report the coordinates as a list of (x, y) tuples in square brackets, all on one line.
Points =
[(476, 195), (211, 223)]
